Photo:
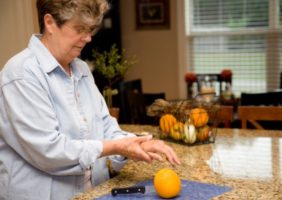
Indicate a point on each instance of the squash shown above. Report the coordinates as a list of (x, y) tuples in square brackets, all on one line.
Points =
[(176, 131), (190, 134), (203, 133), (199, 117), (166, 122)]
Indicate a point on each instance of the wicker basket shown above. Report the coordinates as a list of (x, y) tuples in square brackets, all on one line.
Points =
[(184, 112)]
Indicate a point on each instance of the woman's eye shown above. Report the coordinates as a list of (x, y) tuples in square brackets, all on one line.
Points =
[(87, 30), (80, 30)]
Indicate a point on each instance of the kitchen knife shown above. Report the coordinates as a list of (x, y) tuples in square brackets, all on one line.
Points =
[(128, 190)]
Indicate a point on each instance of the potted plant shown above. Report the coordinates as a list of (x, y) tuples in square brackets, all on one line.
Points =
[(113, 66)]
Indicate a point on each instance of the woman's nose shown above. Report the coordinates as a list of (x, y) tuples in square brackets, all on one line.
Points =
[(87, 37)]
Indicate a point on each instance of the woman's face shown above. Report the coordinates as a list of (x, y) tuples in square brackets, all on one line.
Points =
[(67, 41)]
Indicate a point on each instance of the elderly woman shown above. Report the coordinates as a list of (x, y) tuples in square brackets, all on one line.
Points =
[(56, 134)]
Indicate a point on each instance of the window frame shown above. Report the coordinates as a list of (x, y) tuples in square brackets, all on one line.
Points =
[(274, 28)]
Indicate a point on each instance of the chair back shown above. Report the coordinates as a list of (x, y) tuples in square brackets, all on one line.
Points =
[(128, 90), (225, 116), (134, 102), (253, 114), (136, 109), (267, 99)]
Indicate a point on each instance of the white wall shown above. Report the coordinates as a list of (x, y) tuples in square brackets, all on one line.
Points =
[(17, 25), (159, 51)]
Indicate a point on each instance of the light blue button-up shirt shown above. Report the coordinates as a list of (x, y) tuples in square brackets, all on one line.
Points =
[(51, 127)]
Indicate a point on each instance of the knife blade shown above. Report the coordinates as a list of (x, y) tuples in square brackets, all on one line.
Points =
[(128, 190)]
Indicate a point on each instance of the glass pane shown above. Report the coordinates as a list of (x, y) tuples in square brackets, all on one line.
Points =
[(244, 55), (229, 14)]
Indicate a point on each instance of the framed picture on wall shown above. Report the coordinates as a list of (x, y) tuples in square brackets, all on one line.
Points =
[(152, 14)]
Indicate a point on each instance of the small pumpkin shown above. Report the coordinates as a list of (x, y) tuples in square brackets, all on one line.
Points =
[(176, 131), (190, 134), (166, 122), (199, 117), (203, 133)]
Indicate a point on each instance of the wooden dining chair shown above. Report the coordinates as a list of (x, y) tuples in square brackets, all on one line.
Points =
[(225, 116), (261, 99), (128, 90), (136, 108), (134, 102), (253, 114)]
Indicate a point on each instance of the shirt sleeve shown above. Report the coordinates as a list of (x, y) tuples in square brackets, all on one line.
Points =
[(112, 131), (111, 127), (31, 128)]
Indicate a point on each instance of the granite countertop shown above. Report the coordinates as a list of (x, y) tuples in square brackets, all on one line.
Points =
[(248, 161)]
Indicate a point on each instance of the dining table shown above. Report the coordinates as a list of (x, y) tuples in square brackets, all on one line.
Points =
[(247, 161)]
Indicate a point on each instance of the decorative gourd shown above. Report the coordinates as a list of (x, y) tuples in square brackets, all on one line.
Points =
[(199, 117), (190, 134), (176, 131), (166, 122), (203, 133)]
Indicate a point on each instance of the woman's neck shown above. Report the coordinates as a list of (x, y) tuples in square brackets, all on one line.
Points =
[(63, 62)]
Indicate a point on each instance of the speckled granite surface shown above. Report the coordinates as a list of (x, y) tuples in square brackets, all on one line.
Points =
[(248, 161)]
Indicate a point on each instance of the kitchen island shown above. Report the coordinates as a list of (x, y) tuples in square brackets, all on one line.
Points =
[(247, 161)]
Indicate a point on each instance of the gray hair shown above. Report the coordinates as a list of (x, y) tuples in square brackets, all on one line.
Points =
[(89, 11)]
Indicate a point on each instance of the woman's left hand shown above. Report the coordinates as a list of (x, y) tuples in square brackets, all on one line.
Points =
[(157, 147)]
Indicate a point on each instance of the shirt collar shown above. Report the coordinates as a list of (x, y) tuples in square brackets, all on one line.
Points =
[(47, 61)]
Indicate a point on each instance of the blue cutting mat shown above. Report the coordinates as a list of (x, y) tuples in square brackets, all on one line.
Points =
[(191, 190)]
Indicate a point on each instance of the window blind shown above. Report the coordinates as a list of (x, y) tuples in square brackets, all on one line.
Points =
[(238, 35), (230, 14)]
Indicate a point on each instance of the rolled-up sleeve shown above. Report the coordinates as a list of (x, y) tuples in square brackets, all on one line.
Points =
[(32, 129)]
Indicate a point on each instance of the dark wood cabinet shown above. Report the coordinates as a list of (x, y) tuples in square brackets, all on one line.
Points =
[(108, 35)]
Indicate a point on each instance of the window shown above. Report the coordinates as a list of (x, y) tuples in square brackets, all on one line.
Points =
[(280, 13), (243, 35)]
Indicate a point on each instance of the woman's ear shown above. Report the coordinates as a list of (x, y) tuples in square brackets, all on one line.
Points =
[(49, 23)]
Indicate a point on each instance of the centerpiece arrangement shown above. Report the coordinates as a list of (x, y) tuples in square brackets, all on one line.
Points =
[(191, 121), (112, 65)]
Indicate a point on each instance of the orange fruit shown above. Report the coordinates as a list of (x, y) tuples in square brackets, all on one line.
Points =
[(167, 183), (166, 122), (176, 131), (203, 133), (199, 117)]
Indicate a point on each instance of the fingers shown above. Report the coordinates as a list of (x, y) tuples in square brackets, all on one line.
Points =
[(159, 147), (142, 139), (145, 149), (141, 155), (171, 156), (155, 156), (131, 148)]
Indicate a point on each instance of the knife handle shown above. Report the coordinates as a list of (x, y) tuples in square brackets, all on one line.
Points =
[(128, 190)]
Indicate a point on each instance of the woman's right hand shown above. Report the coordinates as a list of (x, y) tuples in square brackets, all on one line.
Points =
[(129, 147), (158, 148), (140, 149)]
